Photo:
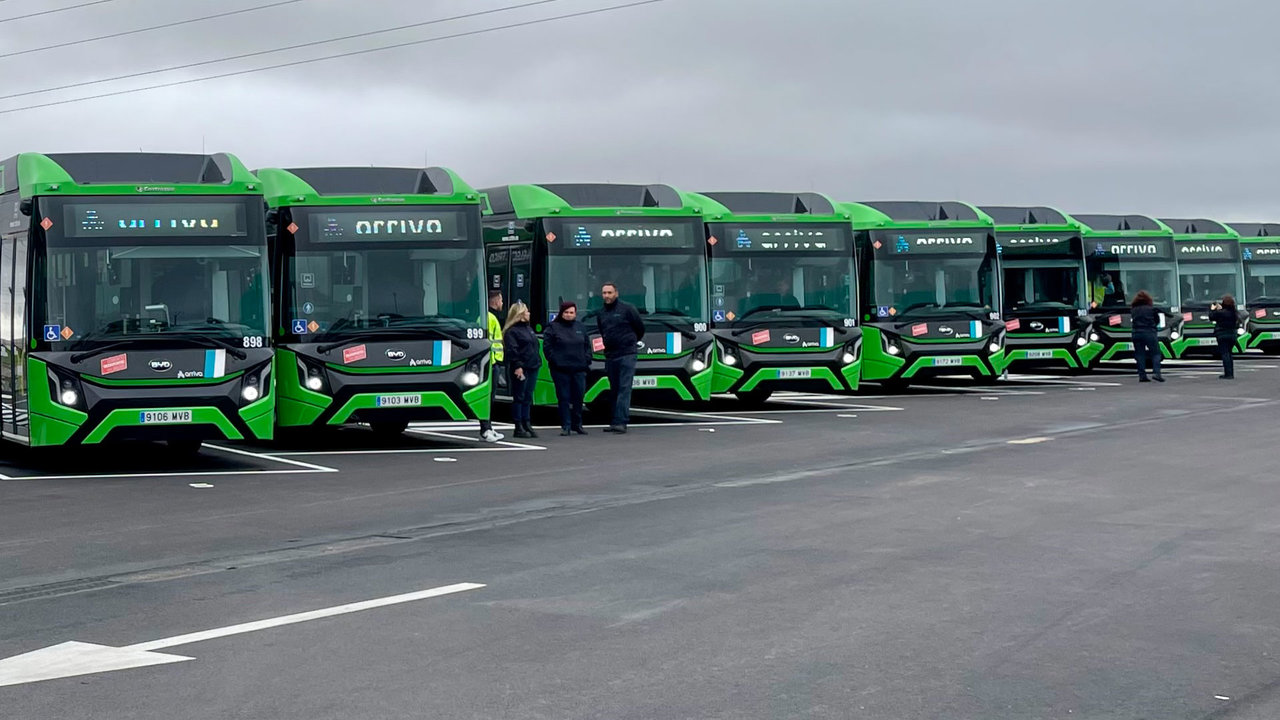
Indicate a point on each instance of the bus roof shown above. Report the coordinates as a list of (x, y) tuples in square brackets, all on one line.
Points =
[(1199, 229), (1256, 231), (1012, 218), (1122, 226), (587, 199), (767, 206), (125, 174), (919, 214), (365, 186)]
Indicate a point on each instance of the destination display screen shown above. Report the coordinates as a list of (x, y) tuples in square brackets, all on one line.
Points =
[(1260, 251), (143, 220), (588, 235), (1156, 248), (1208, 250), (781, 237), (929, 242), (363, 225), (1036, 243)]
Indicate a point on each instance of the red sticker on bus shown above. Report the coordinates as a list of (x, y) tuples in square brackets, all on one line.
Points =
[(1012, 324), (919, 329), (1260, 313), (1186, 317), (114, 364), (759, 337), (352, 354), (597, 344), (1113, 320)]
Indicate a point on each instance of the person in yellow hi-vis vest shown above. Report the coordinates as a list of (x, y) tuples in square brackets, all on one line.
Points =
[(496, 355), (1100, 290)]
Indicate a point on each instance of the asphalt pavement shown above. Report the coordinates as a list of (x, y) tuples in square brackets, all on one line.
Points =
[(1048, 547)]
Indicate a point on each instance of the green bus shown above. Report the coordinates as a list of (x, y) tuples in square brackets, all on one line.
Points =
[(135, 300), (783, 297), (1043, 288), (1260, 261), (554, 242), (1208, 267), (929, 291), (378, 292), (1125, 254)]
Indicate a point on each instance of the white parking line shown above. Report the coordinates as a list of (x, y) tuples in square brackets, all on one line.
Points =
[(297, 468)]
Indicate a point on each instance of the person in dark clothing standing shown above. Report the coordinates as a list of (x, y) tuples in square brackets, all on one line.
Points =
[(1225, 320), (1146, 346), (568, 352), (520, 345), (621, 329)]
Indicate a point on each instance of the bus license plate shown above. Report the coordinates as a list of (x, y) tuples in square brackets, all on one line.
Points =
[(399, 400), (794, 373), (947, 361), (164, 417), (1206, 341), (1039, 354), (644, 382)]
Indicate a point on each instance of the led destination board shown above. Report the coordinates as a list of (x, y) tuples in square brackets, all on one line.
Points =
[(84, 220)]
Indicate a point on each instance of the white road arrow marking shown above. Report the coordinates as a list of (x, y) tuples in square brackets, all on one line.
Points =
[(70, 659)]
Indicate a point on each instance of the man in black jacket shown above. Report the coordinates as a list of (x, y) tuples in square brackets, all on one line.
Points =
[(621, 330)]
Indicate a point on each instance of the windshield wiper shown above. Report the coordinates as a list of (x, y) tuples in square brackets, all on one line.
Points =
[(669, 325), (81, 356), (375, 333), (805, 311), (189, 336), (201, 338)]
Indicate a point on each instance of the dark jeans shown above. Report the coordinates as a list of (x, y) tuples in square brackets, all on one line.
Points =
[(571, 386), (522, 396), (1146, 350), (1227, 346), (621, 370)]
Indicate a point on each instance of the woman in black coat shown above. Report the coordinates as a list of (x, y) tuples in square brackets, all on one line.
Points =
[(520, 348), (1146, 345), (1225, 320), (568, 352)]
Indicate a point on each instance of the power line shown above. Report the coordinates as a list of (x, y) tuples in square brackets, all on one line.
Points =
[(148, 29), (366, 51), (286, 48), (50, 12)]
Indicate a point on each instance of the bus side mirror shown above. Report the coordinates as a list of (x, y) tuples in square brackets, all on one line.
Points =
[(26, 206)]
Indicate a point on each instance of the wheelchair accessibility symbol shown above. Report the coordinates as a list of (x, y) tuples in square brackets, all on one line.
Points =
[(52, 333), (300, 327)]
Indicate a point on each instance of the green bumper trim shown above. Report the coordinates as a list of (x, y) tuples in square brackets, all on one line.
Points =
[(1089, 353), (480, 399), (128, 417), (770, 374), (260, 416), (369, 401), (665, 382), (966, 361), (1023, 355), (1116, 349), (723, 376), (1256, 339)]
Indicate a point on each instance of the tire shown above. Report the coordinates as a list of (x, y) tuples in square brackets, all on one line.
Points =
[(756, 397)]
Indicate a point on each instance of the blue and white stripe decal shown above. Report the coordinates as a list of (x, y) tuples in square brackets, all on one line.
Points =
[(1063, 325), (828, 337), (975, 328), (215, 363), (673, 343), (441, 352)]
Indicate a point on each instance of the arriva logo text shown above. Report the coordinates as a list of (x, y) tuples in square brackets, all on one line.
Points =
[(944, 241), (637, 232), (403, 227), (1135, 249), (1201, 248)]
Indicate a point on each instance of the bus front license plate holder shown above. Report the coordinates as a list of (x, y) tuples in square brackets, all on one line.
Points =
[(1206, 341), (384, 401), (164, 417), (947, 361), (1039, 354), (644, 382), (795, 373)]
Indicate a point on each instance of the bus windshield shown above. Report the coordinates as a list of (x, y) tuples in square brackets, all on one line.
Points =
[(162, 267), (1114, 281), (415, 269), (1262, 282), (659, 267), (793, 270), (1049, 285), (1205, 283), (934, 284)]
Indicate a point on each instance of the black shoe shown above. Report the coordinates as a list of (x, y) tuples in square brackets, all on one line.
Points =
[(528, 431), (520, 433), (610, 429), (564, 432), (619, 429), (1139, 380), (1159, 378), (1226, 377), (579, 430)]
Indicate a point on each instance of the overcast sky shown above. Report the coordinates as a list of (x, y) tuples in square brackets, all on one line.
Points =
[(1165, 107)]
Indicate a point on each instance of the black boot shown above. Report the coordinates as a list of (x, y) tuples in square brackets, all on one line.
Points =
[(579, 429), (520, 431), (528, 430)]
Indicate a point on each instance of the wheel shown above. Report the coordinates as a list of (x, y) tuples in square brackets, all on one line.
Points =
[(755, 397), (388, 429), (184, 447)]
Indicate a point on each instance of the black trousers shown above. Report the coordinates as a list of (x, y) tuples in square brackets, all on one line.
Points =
[(1146, 351), (1226, 348)]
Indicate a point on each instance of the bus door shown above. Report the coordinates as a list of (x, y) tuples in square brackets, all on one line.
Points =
[(13, 326), (510, 270)]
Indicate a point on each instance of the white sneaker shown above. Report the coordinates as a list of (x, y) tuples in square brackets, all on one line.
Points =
[(491, 436)]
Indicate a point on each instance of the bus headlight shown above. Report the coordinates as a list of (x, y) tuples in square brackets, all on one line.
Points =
[(315, 383), (994, 346), (471, 378), (69, 397), (1093, 337), (311, 376), (1239, 331), (848, 358), (697, 366), (894, 349), (1081, 342), (1175, 335), (255, 385), (250, 392)]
